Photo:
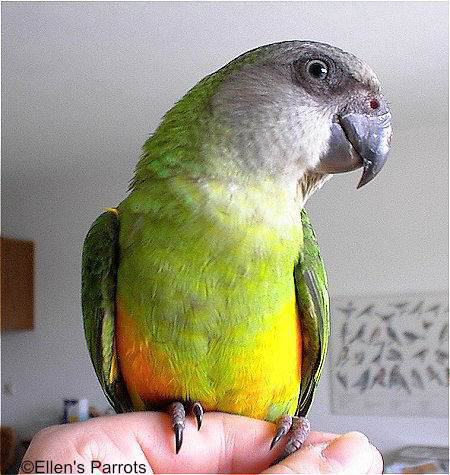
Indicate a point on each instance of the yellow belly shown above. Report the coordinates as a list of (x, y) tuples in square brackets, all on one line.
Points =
[(260, 379)]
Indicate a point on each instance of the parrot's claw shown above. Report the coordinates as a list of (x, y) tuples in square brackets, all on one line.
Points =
[(284, 423), (178, 415), (298, 429), (178, 428), (197, 409)]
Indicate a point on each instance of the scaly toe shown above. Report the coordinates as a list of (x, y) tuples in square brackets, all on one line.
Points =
[(284, 423), (178, 415), (298, 433)]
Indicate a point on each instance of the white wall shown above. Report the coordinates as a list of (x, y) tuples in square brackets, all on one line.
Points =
[(84, 84), (390, 238)]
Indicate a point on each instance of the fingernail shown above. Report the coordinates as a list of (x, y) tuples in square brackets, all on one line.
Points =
[(349, 453), (357, 435)]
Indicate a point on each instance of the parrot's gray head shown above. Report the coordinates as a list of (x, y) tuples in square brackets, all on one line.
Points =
[(300, 106)]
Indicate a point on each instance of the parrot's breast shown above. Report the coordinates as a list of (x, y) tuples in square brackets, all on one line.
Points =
[(206, 306), (259, 380)]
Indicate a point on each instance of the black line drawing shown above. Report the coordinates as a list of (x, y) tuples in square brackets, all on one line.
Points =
[(374, 336), (390, 354), (417, 379), (343, 356), (441, 356), (342, 379), (359, 358), (344, 332), (434, 308), (379, 378), (348, 310), (394, 355), (434, 376), (363, 380), (367, 311), (401, 307), (385, 316), (393, 335), (396, 379), (360, 333), (412, 337), (421, 354), (443, 335), (378, 357), (418, 308)]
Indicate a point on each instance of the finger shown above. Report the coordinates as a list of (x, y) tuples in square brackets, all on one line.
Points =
[(349, 453), (320, 438), (225, 444), (377, 464), (99, 441)]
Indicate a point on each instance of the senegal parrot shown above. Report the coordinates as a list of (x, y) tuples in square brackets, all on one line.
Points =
[(204, 289)]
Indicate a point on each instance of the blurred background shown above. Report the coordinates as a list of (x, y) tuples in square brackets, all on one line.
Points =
[(84, 84)]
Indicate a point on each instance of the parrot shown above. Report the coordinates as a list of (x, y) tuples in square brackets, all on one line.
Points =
[(204, 289)]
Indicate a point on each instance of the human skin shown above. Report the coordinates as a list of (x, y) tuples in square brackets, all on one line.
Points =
[(225, 444)]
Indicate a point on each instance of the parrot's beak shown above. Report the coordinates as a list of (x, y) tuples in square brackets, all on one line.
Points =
[(358, 140)]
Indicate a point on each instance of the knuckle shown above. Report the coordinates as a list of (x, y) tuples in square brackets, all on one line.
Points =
[(48, 434)]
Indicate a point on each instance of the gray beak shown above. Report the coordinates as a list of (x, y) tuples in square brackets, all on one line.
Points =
[(358, 140)]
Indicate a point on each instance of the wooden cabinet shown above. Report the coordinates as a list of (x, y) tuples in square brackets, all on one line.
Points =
[(17, 263)]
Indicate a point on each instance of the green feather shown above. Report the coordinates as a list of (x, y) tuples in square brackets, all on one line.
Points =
[(175, 148), (98, 289), (99, 276), (196, 260), (312, 297)]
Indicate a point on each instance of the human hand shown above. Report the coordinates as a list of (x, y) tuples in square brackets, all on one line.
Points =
[(225, 444)]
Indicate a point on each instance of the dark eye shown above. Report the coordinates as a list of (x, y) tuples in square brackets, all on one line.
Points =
[(317, 69)]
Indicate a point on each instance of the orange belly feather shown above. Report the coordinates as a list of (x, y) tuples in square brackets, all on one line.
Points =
[(267, 372)]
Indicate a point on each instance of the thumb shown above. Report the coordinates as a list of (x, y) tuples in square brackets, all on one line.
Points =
[(349, 453)]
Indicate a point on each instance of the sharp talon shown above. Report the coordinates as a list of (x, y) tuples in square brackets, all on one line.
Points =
[(178, 428), (284, 423), (280, 432), (197, 409)]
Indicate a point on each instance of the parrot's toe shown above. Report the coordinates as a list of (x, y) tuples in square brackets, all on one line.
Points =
[(297, 428), (178, 415), (284, 423)]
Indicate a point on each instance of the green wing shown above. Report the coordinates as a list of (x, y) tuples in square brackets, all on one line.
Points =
[(312, 299), (98, 290)]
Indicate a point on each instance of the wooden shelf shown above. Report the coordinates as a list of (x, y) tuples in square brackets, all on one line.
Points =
[(17, 280)]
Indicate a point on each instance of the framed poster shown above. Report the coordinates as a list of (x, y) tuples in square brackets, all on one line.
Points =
[(389, 355)]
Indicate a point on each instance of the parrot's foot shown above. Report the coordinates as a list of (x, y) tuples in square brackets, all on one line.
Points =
[(178, 415), (298, 429)]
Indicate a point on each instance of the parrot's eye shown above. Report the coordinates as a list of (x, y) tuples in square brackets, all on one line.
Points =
[(317, 69)]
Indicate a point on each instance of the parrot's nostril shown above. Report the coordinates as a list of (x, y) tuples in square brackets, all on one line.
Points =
[(374, 104)]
